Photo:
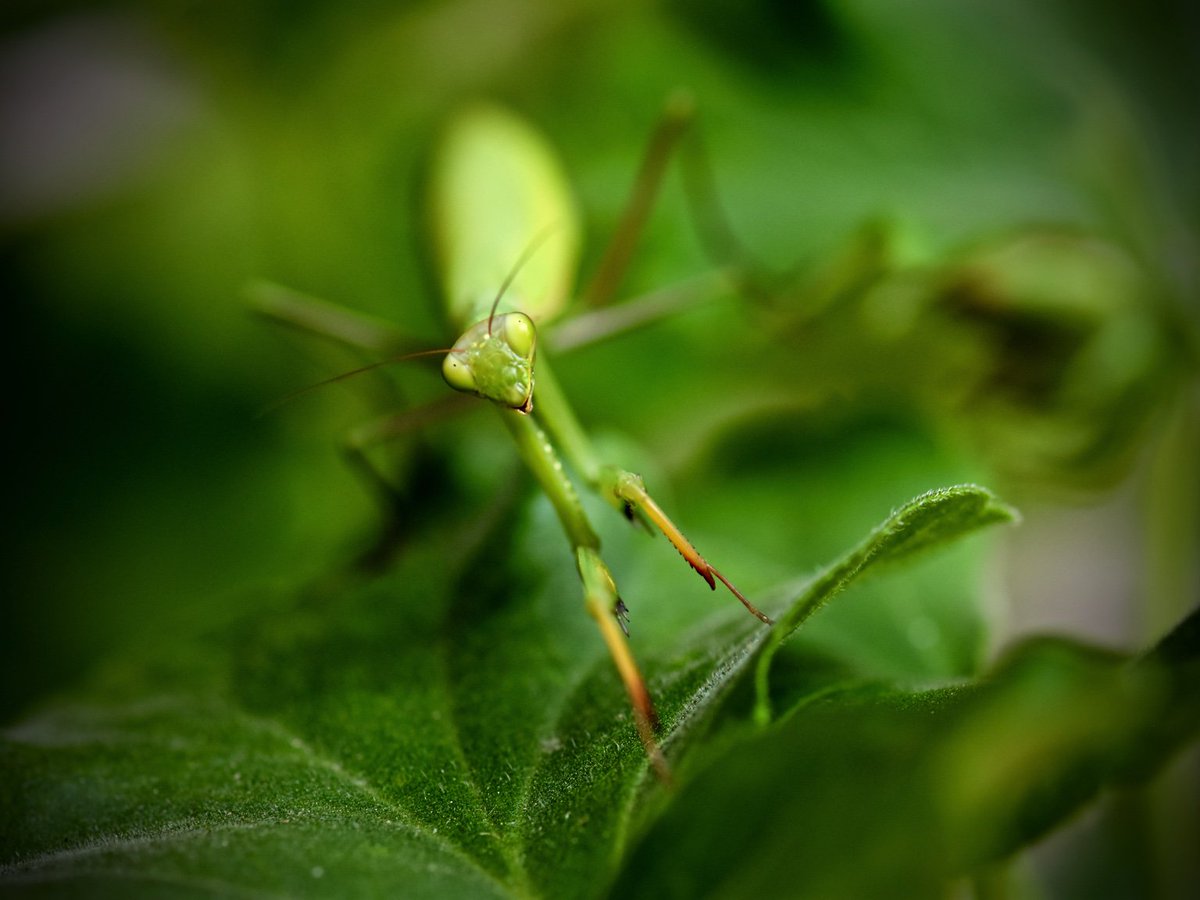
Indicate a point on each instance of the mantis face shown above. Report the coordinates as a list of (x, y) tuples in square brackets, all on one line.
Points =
[(494, 360)]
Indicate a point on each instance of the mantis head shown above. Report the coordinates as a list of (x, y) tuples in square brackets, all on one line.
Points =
[(494, 360)]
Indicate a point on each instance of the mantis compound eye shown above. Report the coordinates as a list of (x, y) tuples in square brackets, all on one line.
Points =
[(458, 374), (520, 333)]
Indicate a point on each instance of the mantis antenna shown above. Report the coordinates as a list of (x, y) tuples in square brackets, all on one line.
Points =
[(526, 255), (404, 357)]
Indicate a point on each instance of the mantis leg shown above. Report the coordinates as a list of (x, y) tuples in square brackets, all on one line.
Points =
[(601, 324), (714, 230), (392, 427), (673, 135), (599, 590), (400, 505), (674, 122), (405, 499), (312, 315), (624, 490)]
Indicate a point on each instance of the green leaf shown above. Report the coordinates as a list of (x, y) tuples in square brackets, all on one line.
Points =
[(443, 731), (446, 731), (932, 519), (881, 792)]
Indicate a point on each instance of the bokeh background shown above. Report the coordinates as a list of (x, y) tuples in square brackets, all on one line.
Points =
[(976, 224)]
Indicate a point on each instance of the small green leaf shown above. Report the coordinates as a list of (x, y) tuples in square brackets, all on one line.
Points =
[(881, 792), (932, 519)]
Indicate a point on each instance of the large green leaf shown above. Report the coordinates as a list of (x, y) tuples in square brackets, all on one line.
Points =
[(353, 745)]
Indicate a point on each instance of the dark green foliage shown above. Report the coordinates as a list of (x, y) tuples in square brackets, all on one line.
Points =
[(225, 670), (359, 744)]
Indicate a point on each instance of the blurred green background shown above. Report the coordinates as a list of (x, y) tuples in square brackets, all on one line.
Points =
[(980, 220)]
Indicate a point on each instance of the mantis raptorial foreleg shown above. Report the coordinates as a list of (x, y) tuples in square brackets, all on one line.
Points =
[(600, 592), (622, 489)]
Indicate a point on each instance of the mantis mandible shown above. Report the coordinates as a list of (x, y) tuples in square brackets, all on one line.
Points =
[(505, 241)]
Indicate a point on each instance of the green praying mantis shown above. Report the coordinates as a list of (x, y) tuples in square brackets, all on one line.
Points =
[(505, 238)]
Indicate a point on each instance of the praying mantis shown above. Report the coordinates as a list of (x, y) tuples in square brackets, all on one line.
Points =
[(505, 237)]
